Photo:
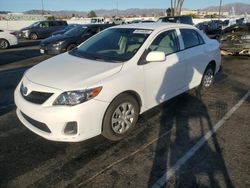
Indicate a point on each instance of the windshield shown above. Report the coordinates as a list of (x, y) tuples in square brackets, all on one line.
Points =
[(75, 31), (113, 45)]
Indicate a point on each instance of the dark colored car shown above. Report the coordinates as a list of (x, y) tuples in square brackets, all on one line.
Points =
[(62, 31), (42, 29), (177, 19), (211, 28), (141, 21), (70, 39)]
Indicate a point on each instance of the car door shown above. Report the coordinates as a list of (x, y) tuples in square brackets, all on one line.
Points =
[(163, 80), (43, 29), (194, 55), (53, 26)]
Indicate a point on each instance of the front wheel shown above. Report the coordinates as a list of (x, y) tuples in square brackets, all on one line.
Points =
[(33, 36), (120, 117)]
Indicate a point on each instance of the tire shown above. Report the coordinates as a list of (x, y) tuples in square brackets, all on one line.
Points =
[(208, 77), (71, 46), (120, 117), (33, 36), (4, 44)]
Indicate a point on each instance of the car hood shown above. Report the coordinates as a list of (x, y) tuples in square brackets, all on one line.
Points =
[(55, 38), (67, 72), (25, 28)]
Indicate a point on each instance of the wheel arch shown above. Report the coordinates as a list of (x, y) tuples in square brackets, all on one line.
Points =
[(213, 64), (129, 92)]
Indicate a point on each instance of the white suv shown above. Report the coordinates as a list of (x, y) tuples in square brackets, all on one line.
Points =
[(102, 86)]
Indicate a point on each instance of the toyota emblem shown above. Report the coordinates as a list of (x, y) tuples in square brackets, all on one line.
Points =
[(24, 90)]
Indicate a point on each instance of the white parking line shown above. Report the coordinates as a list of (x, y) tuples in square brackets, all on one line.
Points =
[(163, 179)]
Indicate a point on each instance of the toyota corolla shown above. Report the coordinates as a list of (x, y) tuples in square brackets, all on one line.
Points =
[(103, 85)]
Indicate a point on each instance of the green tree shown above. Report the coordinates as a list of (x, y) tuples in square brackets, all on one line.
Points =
[(92, 14), (193, 15), (51, 18), (169, 12)]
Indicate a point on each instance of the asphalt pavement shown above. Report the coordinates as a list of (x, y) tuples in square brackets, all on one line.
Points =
[(163, 139)]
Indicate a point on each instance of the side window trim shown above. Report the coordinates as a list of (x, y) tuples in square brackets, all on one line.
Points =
[(197, 37)]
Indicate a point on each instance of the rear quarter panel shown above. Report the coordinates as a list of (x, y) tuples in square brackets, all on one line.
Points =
[(213, 51)]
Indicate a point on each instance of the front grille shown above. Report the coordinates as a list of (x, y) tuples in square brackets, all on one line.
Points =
[(36, 124), (36, 96)]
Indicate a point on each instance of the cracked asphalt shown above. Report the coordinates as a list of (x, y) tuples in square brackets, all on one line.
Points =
[(161, 137)]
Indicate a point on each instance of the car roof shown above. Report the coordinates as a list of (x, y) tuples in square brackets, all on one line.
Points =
[(155, 26)]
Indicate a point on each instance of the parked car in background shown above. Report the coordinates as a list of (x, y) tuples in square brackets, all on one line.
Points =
[(70, 39), (117, 21), (42, 29), (140, 21), (7, 39), (212, 28), (98, 20), (177, 19), (103, 85), (62, 31)]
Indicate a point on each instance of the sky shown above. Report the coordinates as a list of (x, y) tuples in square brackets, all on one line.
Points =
[(87, 5)]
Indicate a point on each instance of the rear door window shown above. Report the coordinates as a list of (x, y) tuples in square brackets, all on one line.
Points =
[(191, 38)]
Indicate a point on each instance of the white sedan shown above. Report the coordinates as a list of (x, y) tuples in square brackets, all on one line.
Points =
[(7, 39), (103, 85)]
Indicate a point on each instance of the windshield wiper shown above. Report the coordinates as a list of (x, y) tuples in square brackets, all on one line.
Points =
[(92, 57)]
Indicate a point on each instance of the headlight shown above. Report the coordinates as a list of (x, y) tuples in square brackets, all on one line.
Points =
[(57, 44), (71, 98), (25, 31)]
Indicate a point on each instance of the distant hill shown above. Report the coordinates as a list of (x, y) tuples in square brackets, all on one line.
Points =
[(103, 12), (240, 8)]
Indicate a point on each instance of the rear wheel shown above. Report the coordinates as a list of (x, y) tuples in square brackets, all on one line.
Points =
[(4, 44), (208, 77), (33, 36), (120, 117)]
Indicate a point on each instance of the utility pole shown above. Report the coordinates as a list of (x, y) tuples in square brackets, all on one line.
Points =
[(116, 8), (220, 9), (42, 8), (172, 8)]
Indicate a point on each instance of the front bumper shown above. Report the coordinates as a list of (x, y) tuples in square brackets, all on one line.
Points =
[(22, 34), (88, 115), (48, 49)]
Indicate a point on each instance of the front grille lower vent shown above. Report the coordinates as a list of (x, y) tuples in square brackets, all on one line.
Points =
[(36, 124)]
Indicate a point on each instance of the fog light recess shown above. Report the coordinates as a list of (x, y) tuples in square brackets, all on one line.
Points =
[(71, 128)]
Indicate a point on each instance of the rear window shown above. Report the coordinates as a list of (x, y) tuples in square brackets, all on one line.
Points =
[(191, 38)]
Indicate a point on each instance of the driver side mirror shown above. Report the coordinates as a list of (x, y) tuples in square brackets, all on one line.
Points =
[(156, 56)]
